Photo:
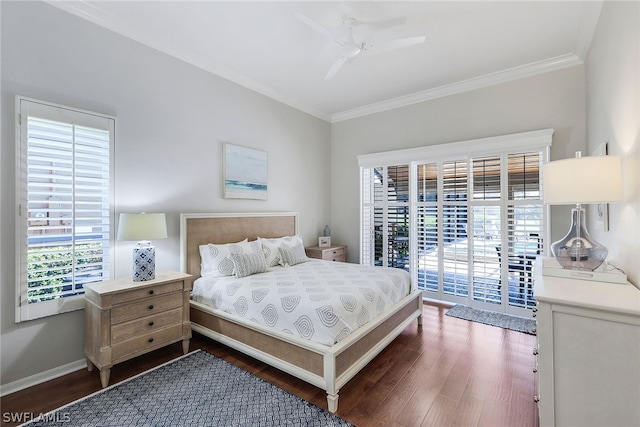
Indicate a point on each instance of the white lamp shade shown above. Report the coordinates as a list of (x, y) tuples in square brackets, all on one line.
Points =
[(594, 179), (144, 226)]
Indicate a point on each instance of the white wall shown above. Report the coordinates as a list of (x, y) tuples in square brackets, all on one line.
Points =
[(172, 117), (170, 121), (553, 100), (613, 116)]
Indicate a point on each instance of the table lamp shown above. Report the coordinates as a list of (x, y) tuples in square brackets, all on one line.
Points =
[(143, 227), (594, 179)]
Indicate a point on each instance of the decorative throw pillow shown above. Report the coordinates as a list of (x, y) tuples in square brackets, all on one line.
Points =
[(270, 247), (292, 255), (216, 259), (248, 264)]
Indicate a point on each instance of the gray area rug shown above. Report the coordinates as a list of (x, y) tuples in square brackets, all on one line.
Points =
[(501, 320), (198, 389)]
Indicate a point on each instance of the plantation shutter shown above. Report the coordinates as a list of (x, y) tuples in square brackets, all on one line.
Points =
[(524, 212), (465, 219), (385, 216), (428, 226), (398, 216), (371, 247), (65, 190)]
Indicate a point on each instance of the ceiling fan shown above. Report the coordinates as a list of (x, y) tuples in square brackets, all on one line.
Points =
[(353, 49)]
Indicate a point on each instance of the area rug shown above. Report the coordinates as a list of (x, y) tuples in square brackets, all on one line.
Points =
[(198, 389), (501, 320)]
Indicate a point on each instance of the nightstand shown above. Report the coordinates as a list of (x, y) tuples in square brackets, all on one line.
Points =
[(124, 319), (328, 253)]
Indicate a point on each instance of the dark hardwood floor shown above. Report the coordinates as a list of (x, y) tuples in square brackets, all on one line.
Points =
[(449, 372)]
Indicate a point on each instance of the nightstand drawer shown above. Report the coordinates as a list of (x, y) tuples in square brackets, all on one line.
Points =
[(146, 342), (337, 254), (160, 289), (330, 253), (146, 307), (129, 330)]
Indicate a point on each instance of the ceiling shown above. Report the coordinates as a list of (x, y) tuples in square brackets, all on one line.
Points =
[(262, 45)]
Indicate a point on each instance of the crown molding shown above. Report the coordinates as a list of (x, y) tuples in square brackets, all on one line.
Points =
[(588, 22), (92, 13), (540, 67)]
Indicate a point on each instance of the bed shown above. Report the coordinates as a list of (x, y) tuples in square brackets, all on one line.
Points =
[(326, 366)]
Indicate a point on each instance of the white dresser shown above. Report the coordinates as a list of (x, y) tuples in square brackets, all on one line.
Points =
[(588, 352)]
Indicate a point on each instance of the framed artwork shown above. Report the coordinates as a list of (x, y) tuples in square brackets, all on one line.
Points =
[(601, 211), (245, 172), (324, 241)]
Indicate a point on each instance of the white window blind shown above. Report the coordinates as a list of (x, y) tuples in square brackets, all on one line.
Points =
[(473, 213), (65, 198)]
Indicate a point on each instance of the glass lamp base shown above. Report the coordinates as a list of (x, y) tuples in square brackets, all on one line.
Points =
[(577, 250)]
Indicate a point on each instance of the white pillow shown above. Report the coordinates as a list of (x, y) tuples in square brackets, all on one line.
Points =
[(292, 255), (248, 264), (270, 247), (215, 260)]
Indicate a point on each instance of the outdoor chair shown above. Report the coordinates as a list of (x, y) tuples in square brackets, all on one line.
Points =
[(521, 263)]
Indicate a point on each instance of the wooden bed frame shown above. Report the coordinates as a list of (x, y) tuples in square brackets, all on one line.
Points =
[(326, 367)]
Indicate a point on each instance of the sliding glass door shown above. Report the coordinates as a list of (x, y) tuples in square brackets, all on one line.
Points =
[(467, 228)]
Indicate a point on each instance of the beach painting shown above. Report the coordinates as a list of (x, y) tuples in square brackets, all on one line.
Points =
[(245, 172)]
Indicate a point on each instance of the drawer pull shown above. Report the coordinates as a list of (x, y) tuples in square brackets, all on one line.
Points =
[(151, 323), (151, 307), (536, 399), (151, 292), (535, 351), (150, 339), (535, 370)]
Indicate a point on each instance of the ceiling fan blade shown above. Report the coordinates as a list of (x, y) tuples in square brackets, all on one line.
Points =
[(385, 23), (319, 28), (377, 47), (336, 67)]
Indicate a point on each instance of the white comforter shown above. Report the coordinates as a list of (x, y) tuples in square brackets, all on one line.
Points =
[(321, 301)]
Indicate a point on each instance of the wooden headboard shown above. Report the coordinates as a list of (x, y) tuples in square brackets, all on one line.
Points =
[(202, 228)]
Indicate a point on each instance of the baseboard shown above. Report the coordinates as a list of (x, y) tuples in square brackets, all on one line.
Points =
[(42, 377)]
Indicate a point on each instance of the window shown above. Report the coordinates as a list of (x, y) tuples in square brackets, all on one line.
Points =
[(65, 192), (465, 219)]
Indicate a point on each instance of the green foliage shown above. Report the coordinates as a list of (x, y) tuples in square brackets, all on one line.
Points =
[(51, 269)]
